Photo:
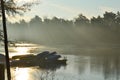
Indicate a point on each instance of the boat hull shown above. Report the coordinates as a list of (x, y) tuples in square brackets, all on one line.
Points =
[(26, 63)]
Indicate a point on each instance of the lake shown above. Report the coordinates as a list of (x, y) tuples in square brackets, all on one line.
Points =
[(79, 66)]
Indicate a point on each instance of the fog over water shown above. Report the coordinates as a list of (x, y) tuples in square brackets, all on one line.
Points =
[(95, 35), (92, 47)]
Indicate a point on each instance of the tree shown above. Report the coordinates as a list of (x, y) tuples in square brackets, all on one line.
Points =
[(81, 20), (117, 21), (97, 21), (109, 19), (36, 20), (13, 8)]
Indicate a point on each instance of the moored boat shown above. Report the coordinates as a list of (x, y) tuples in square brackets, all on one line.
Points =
[(42, 59)]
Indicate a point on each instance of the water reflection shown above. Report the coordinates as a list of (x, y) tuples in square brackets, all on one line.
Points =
[(45, 72), (108, 65), (79, 67), (20, 50), (21, 73), (33, 73), (99, 67), (27, 48)]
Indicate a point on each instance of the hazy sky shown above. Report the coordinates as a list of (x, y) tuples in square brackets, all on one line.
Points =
[(69, 9)]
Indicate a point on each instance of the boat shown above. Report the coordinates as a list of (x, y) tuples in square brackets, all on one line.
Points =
[(43, 59)]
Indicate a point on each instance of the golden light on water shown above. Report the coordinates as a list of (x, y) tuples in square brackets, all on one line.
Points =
[(22, 74), (26, 48), (22, 50), (30, 73)]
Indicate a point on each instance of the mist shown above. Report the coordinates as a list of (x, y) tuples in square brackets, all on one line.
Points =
[(95, 34)]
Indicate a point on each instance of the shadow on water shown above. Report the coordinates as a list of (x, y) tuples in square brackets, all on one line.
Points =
[(43, 65), (52, 66)]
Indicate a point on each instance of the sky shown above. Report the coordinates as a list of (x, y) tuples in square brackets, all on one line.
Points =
[(69, 9)]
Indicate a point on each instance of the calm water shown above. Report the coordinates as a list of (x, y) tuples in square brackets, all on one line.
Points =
[(79, 67)]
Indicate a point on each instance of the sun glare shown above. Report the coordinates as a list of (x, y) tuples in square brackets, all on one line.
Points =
[(22, 50), (22, 73)]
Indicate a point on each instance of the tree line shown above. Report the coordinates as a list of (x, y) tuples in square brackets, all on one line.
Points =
[(109, 20), (98, 30)]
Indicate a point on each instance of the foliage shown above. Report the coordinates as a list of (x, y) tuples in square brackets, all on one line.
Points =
[(105, 29), (12, 8), (109, 20), (81, 20)]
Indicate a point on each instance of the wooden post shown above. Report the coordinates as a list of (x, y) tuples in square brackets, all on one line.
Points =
[(2, 72)]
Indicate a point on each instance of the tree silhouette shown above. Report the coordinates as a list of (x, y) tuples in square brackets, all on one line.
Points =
[(97, 21), (12, 8), (53, 29), (117, 21), (36, 19), (81, 20), (109, 19)]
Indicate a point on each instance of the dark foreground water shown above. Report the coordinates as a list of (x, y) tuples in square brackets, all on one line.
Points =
[(79, 67)]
